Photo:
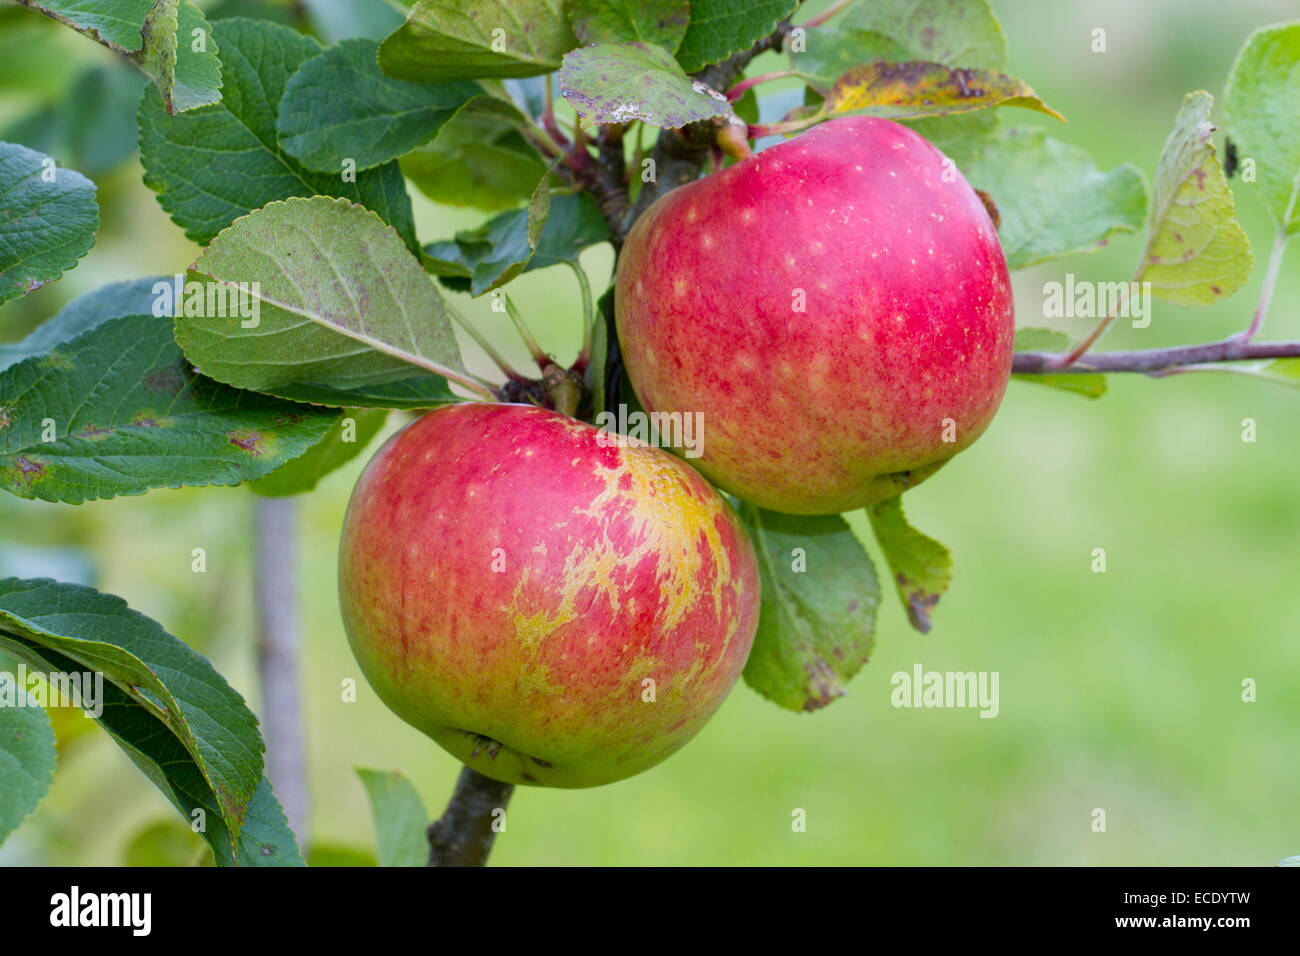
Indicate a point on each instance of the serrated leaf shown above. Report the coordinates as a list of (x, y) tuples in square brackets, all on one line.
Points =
[(400, 818), (573, 223), (497, 251), (158, 37), (1196, 252), (918, 89), (213, 165), (27, 754), (719, 28), (659, 22), (1089, 384), (160, 674), (621, 82), (1259, 102), (921, 567), (470, 39), (341, 302), (264, 839), (129, 297), (127, 413), (1053, 200), (343, 443), (46, 224), (952, 32), (338, 105), (479, 158), (820, 596)]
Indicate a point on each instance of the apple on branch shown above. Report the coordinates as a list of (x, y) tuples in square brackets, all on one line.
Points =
[(551, 606), (836, 306)]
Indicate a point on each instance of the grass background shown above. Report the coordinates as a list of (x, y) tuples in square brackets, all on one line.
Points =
[(1119, 691)]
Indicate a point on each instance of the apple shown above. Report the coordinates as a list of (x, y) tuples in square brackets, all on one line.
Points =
[(552, 604), (837, 307)]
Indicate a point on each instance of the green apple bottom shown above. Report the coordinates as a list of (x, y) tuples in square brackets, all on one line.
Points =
[(557, 607)]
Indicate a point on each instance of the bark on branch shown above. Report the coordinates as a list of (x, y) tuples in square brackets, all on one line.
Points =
[(1156, 361), (463, 835)]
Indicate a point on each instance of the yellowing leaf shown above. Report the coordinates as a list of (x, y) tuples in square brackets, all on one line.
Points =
[(1196, 252), (919, 88)]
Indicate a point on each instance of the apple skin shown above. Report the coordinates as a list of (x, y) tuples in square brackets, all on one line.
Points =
[(620, 564), (907, 317)]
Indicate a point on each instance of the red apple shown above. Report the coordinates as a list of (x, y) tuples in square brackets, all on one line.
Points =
[(837, 307), (548, 606)]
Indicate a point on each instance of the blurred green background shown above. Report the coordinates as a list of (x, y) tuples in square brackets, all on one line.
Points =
[(1119, 691)]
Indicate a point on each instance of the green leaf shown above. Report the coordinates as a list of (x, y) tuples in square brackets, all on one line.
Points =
[(497, 251), (719, 28), (919, 89), (27, 754), (1283, 371), (91, 128), (165, 843), (418, 391), (1260, 104), (952, 32), (1089, 384), (48, 219), (470, 39), (594, 376), (574, 223), (264, 838), (215, 164), (86, 311), (161, 674), (117, 410), (400, 818), (1196, 252), (347, 439), (921, 567), (1053, 200), (820, 598), (620, 82), (158, 37), (341, 302), (478, 159), (658, 22), (338, 105)]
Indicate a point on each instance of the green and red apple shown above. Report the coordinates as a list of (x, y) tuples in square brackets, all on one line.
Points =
[(552, 605), (837, 307)]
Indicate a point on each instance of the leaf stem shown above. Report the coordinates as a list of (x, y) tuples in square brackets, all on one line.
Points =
[(829, 12), (780, 129), (1270, 280), (481, 341), (1079, 350), (737, 91), (548, 118), (535, 350), (588, 313)]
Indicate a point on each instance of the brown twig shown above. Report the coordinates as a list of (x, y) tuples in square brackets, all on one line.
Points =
[(463, 835), (1155, 361)]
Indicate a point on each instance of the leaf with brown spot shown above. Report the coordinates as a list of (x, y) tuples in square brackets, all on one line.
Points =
[(118, 434), (921, 566), (818, 608), (1196, 252), (919, 88)]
